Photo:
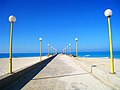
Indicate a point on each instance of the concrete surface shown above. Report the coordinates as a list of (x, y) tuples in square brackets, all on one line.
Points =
[(103, 64), (102, 70), (62, 73)]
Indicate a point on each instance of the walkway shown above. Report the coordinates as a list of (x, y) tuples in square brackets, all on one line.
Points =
[(62, 73)]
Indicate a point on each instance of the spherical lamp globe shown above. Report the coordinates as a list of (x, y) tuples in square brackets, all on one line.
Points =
[(12, 18), (76, 39), (108, 13), (40, 39)]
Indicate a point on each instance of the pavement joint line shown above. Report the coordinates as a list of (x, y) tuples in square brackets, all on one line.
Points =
[(59, 76)]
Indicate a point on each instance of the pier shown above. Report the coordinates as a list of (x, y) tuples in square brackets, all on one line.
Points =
[(63, 73)]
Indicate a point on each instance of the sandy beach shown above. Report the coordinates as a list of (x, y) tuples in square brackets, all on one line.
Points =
[(102, 64), (18, 63)]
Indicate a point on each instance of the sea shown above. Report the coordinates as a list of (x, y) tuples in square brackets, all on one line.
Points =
[(16, 55), (100, 54)]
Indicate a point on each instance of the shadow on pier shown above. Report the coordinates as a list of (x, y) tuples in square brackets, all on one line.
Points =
[(17, 85)]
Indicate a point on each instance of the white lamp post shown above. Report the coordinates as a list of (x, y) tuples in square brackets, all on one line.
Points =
[(63, 51), (12, 19), (67, 49), (48, 49), (70, 49), (55, 51), (51, 50), (108, 14), (40, 48), (76, 39)]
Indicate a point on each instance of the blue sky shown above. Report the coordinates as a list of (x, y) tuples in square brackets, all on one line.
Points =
[(59, 22)]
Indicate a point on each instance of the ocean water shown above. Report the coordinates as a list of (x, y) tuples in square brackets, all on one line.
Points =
[(102, 54), (6, 55)]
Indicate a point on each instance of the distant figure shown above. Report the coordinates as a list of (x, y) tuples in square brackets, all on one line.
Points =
[(71, 55)]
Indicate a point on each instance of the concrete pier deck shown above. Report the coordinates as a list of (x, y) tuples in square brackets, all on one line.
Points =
[(62, 73)]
